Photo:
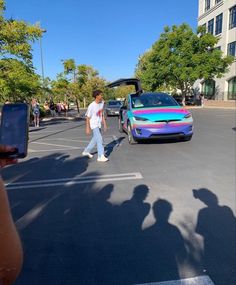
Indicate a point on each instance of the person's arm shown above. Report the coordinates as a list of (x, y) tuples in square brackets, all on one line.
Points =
[(88, 115), (88, 129), (104, 121), (11, 255)]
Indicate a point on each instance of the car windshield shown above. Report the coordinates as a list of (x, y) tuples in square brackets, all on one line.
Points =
[(153, 100), (114, 103)]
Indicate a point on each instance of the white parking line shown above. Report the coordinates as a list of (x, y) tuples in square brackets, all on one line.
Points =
[(73, 140), (199, 280), (54, 149), (52, 144), (73, 180), (32, 214), (60, 147)]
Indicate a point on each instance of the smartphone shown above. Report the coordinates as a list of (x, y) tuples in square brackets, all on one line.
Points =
[(14, 129)]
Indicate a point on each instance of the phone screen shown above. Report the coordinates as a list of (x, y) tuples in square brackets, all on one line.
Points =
[(14, 127)]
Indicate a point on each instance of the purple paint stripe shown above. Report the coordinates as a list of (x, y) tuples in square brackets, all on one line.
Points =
[(171, 125), (152, 111)]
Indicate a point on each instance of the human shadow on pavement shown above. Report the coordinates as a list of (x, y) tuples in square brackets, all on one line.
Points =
[(217, 225), (163, 246), (54, 168), (73, 234)]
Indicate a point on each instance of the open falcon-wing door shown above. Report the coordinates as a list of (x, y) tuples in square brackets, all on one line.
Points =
[(128, 81)]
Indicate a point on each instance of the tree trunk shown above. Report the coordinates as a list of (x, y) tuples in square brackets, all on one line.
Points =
[(77, 105)]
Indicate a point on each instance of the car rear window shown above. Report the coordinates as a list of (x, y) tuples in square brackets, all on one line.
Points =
[(153, 100), (114, 103)]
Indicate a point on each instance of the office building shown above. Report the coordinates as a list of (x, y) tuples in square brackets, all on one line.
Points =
[(219, 18)]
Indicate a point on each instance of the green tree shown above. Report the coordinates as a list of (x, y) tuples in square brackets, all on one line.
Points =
[(18, 80), (180, 57), (82, 80), (60, 88)]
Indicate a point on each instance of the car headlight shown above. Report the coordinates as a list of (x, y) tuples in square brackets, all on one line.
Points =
[(188, 116), (140, 119)]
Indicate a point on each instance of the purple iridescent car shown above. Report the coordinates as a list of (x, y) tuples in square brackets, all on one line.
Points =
[(149, 115)]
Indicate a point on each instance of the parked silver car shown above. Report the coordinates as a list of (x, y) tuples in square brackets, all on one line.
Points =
[(112, 108)]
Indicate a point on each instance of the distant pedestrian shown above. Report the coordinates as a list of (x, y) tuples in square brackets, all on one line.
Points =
[(46, 107), (94, 120), (35, 111), (52, 108), (59, 109), (201, 99)]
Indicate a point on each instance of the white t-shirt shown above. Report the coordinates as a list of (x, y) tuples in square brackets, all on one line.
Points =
[(95, 112)]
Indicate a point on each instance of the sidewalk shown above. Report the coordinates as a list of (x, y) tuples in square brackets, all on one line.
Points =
[(216, 104), (71, 115)]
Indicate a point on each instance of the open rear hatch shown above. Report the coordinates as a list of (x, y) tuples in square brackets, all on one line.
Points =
[(128, 81)]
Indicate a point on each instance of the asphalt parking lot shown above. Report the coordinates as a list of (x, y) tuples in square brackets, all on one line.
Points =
[(84, 222)]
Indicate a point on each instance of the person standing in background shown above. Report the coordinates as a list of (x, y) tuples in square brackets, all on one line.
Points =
[(35, 111), (202, 100)]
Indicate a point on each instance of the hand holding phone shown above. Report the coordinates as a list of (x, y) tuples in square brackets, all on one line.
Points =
[(14, 130), (4, 153)]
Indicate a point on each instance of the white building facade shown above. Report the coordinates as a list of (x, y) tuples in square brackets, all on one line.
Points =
[(219, 17)]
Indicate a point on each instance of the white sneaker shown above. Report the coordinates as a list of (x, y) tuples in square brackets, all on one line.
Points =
[(102, 159), (85, 153)]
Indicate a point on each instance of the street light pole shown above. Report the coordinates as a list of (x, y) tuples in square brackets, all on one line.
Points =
[(41, 56)]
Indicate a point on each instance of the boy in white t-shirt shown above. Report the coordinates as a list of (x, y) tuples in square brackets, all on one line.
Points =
[(94, 120)]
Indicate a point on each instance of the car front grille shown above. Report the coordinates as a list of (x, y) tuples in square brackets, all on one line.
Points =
[(167, 136)]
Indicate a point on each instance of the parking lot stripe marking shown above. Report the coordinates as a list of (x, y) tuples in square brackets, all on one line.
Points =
[(52, 144), (55, 149), (32, 214), (72, 181), (199, 280), (72, 140)]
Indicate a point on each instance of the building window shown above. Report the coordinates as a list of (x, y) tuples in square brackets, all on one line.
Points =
[(232, 17), (210, 28), (219, 20), (207, 5), (232, 49), (217, 1), (232, 89), (208, 89)]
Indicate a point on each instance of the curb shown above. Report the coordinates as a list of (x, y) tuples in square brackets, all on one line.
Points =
[(62, 118), (209, 107)]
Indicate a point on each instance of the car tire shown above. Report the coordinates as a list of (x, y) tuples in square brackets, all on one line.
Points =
[(130, 136), (187, 138), (120, 126)]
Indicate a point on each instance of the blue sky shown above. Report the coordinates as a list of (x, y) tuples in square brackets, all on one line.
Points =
[(109, 35)]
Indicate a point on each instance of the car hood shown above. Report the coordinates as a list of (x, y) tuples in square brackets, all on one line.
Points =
[(162, 113)]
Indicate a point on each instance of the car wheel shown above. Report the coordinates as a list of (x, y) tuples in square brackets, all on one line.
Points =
[(120, 125), (187, 138), (130, 136)]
